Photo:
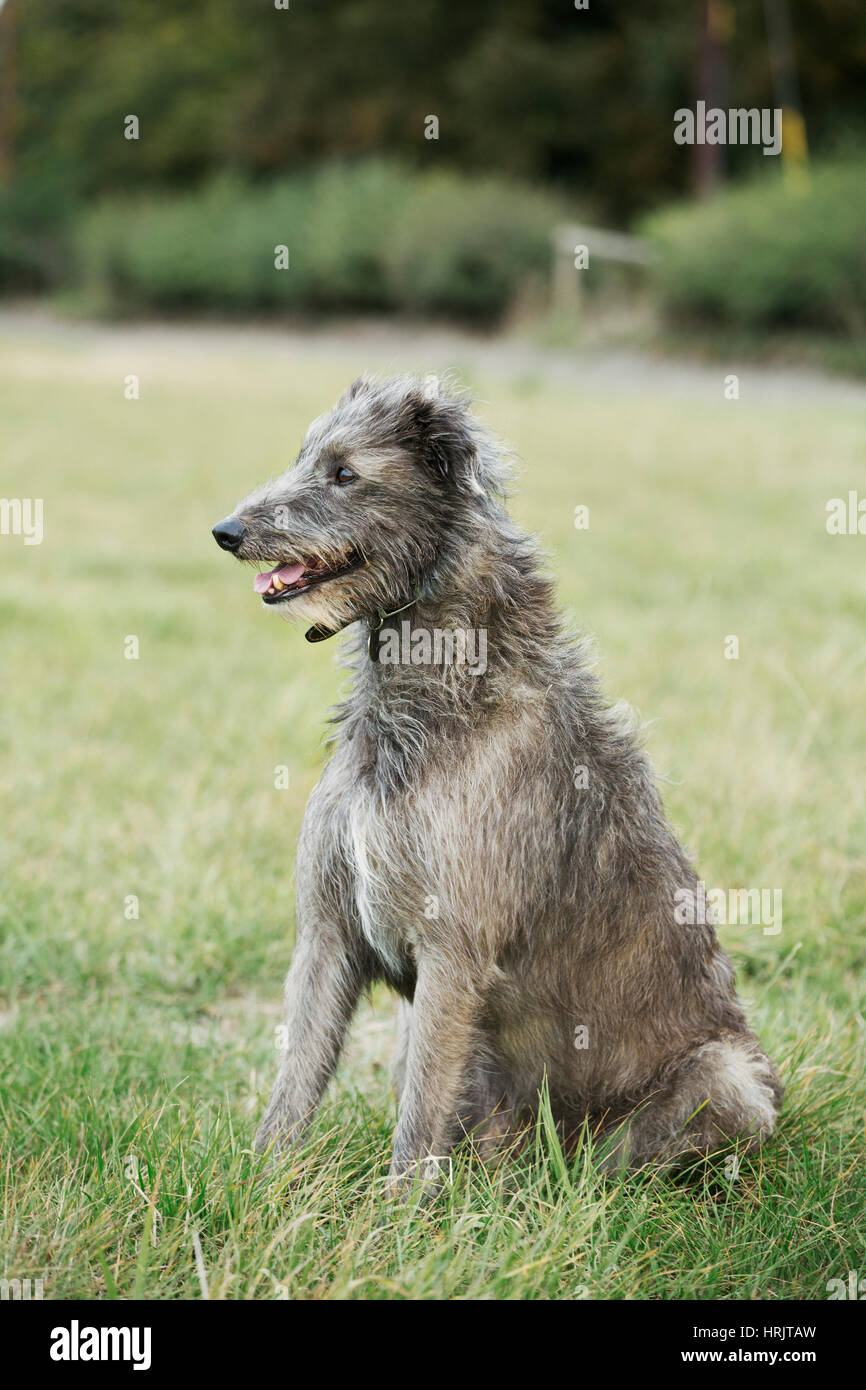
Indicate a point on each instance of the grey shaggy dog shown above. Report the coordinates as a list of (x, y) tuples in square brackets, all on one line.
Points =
[(489, 843)]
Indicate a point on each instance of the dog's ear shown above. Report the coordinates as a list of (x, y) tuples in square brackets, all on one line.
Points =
[(442, 433), (359, 385)]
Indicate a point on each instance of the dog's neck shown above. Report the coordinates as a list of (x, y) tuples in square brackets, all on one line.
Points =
[(450, 659)]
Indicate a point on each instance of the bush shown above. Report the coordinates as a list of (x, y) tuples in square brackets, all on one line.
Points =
[(364, 237), (35, 216), (211, 248), (769, 256), (464, 249)]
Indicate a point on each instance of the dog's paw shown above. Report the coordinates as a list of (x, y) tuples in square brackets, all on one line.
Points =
[(279, 1167), (417, 1181)]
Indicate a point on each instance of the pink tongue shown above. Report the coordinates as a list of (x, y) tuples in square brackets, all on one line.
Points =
[(289, 574)]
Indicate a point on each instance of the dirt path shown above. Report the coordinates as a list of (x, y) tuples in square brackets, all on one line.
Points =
[(388, 345)]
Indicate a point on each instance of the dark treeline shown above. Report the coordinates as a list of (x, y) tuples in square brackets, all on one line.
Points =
[(530, 88)]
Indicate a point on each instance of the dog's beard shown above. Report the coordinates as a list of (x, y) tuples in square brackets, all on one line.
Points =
[(331, 606)]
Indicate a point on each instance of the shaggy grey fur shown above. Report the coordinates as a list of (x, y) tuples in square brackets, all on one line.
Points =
[(453, 847)]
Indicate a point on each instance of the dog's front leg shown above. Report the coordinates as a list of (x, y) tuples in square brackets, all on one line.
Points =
[(442, 1037), (323, 986)]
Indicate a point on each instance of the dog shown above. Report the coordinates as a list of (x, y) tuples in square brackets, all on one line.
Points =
[(489, 842)]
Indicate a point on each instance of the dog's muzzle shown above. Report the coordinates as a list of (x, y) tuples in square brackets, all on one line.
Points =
[(228, 534)]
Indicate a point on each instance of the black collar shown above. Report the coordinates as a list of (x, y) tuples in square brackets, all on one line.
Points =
[(317, 633)]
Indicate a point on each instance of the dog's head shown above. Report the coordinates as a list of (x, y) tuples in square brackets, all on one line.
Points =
[(384, 488)]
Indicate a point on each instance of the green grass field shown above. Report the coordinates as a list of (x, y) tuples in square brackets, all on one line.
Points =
[(137, 1052)]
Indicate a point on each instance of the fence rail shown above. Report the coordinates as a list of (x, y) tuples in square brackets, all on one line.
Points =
[(569, 238)]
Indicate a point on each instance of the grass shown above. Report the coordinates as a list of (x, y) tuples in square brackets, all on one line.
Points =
[(137, 1052)]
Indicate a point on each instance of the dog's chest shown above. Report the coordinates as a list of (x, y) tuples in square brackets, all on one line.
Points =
[(389, 879), (418, 859)]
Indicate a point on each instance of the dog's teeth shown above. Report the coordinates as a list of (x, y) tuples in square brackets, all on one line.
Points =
[(277, 583)]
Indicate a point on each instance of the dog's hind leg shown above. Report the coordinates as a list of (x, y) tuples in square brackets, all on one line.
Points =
[(725, 1090), (488, 1113)]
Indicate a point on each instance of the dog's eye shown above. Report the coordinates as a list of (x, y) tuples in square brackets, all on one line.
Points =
[(344, 476)]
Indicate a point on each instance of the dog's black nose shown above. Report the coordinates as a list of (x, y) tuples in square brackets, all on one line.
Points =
[(228, 533)]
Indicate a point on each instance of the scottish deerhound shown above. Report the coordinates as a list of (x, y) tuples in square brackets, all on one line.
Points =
[(486, 837)]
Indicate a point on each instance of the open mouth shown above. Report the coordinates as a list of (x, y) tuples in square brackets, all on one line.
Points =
[(286, 581)]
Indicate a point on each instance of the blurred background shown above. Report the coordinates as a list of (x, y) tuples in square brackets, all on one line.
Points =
[(425, 160)]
